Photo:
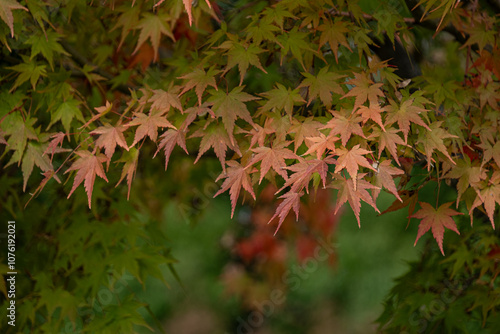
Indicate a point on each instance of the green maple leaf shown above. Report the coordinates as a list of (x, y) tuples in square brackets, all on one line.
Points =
[(276, 14), (261, 30), (153, 27), (200, 80), (282, 98), (243, 56), (230, 106), (46, 45), (20, 131), (34, 156), (6, 8), (468, 173), (433, 140), (334, 33), (65, 113), (29, 70), (295, 42), (322, 85)]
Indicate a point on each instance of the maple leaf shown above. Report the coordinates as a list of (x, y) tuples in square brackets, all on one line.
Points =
[(171, 138), (188, 4), (364, 90), (65, 113), (353, 193), (110, 136), (320, 144), (334, 33), (130, 159), (322, 86), (372, 112), (303, 172), (384, 178), (216, 137), (433, 140), (87, 167), (488, 196), (243, 56), (273, 157), (163, 100), (200, 80), (236, 177), (19, 131), (388, 139), (351, 160), (343, 126), (101, 111), (490, 152), (467, 173), (152, 27), (297, 43), (303, 128), (282, 98), (230, 106), (34, 156), (148, 126), (6, 8), (404, 114), (259, 134), (291, 200), (437, 219)]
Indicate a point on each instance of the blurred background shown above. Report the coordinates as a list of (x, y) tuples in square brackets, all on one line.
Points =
[(319, 274)]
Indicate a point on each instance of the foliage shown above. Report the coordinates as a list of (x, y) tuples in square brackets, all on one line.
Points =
[(288, 91)]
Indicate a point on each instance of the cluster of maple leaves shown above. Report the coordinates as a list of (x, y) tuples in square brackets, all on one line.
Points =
[(339, 118)]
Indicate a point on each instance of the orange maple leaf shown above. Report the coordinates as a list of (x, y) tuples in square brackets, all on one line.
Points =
[(351, 160), (344, 126), (364, 90), (437, 219), (87, 166), (236, 177), (349, 192), (384, 177), (273, 157), (404, 114)]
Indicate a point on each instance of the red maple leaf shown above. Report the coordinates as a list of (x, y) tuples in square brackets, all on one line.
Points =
[(110, 136), (215, 136), (437, 219), (236, 177), (171, 138), (291, 200), (87, 166), (303, 172), (148, 126)]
